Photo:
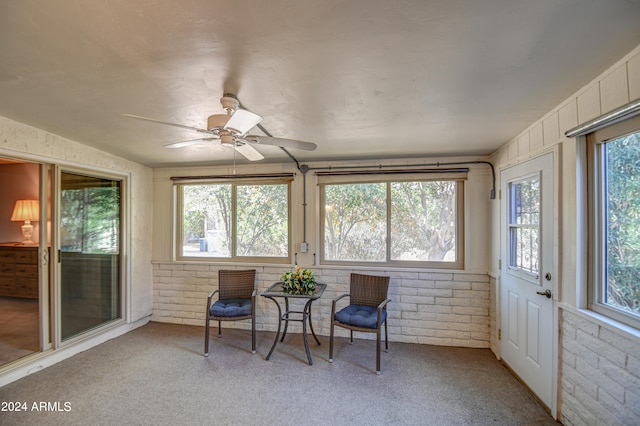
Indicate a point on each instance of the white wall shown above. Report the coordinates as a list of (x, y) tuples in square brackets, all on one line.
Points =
[(441, 307), (599, 363), (17, 181), (24, 142)]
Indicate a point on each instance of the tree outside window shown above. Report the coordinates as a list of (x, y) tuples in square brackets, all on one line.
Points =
[(230, 220), (407, 223)]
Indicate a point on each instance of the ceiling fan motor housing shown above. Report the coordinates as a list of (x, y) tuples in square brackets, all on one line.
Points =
[(216, 122)]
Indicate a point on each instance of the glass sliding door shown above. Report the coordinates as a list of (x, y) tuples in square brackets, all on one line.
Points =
[(23, 269), (90, 252)]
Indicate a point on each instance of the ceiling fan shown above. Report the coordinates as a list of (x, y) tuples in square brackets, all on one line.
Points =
[(231, 129)]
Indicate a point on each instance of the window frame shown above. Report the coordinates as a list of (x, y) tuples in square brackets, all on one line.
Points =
[(522, 273), (597, 217), (123, 275), (458, 264), (234, 183)]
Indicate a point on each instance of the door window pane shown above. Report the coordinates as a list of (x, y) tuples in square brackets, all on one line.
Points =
[(90, 234), (523, 226)]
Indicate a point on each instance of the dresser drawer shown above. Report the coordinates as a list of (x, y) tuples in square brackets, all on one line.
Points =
[(18, 270), (23, 256), (7, 269), (26, 271), (7, 256)]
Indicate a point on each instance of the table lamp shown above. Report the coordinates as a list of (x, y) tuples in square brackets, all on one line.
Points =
[(26, 210)]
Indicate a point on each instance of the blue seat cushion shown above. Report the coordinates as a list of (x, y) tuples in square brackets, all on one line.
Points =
[(360, 316), (231, 308)]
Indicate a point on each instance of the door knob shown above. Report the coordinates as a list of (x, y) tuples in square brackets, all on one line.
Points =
[(547, 293)]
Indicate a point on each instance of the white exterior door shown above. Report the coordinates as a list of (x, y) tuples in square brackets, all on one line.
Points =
[(526, 297)]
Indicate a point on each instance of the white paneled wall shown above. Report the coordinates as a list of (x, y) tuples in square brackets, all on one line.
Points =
[(616, 87), (599, 366), (450, 308)]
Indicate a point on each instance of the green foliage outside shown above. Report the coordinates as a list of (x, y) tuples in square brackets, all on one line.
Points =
[(206, 214), (355, 222), (260, 217), (524, 224), (623, 218), (422, 221), (90, 215), (263, 220)]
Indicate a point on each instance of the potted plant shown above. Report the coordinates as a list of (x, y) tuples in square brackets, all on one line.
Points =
[(298, 281)]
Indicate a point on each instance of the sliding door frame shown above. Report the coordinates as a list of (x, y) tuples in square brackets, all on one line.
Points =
[(124, 263)]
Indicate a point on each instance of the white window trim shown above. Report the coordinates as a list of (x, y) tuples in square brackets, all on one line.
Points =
[(458, 264), (180, 183), (595, 218)]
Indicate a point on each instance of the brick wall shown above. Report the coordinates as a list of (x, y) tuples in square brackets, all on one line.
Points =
[(450, 308), (600, 373), (493, 315)]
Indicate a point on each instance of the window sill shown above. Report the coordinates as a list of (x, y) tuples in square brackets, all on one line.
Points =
[(604, 321)]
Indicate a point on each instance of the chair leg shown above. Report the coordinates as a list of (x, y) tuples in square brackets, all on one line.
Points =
[(378, 352), (219, 329), (386, 338), (331, 343), (351, 331), (206, 336), (253, 335)]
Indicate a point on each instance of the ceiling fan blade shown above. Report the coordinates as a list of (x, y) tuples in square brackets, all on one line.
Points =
[(166, 123), (248, 152), (188, 143), (285, 143), (242, 121)]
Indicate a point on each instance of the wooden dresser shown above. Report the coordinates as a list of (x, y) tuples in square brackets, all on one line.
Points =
[(18, 270)]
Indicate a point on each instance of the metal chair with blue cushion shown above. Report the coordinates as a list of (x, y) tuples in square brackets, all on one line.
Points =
[(366, 312), (236, 302)]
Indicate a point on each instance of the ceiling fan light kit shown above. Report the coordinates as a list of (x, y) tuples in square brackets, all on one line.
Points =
[(230, 129)]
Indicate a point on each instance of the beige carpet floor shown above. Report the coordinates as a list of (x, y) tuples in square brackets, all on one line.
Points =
[(156, 375)]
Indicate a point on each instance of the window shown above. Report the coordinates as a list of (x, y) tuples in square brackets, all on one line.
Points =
[(404, 223), (524, 226), (614, 166), (234, 221)]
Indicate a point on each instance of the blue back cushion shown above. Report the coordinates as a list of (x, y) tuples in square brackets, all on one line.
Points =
[(231, 308), (361, 316)]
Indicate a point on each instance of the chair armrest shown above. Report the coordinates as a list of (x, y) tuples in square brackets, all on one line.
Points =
[(340, 297), (381, 306), (209, 299), (333, 304)]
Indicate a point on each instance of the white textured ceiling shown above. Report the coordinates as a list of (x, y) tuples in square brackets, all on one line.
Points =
[(360, 78)]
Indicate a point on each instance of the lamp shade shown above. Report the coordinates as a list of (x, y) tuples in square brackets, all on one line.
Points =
[(26, 210)]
